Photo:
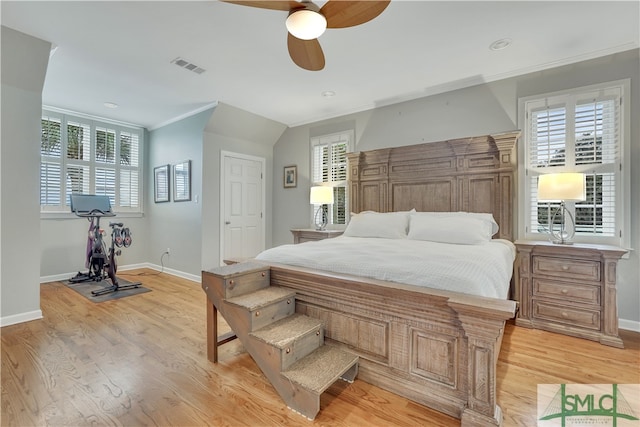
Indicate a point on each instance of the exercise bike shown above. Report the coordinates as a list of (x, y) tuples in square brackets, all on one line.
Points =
[(101, 263)]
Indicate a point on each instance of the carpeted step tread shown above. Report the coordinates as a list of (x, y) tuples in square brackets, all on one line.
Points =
[(240, 268), (282, 333), (261, 298), (320, 369)]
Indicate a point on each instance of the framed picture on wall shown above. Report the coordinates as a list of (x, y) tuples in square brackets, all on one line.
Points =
[(161, 183), (182, 181), (290, 176)]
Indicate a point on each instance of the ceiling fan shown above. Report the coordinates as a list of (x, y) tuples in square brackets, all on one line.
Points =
[(306, 22)]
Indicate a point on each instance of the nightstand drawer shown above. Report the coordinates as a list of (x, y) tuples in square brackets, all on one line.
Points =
[(573, 316), (589, 294), (301, 235), (567, 267)]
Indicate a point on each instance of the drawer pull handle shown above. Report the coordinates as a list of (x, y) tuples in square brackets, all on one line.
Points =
[(564, 314), (264, 274), (565, 267), (231, 282), (564, 291), (257, 313)]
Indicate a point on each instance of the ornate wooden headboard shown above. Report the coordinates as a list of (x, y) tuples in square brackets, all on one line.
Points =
[(473, 174)]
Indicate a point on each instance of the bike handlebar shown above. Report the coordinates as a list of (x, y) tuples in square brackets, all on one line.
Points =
[(94, 213)]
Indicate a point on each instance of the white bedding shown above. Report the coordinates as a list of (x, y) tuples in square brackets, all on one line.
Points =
[(483, 270)]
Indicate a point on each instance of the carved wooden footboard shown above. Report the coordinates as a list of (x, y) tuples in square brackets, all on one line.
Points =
[(437, 348)]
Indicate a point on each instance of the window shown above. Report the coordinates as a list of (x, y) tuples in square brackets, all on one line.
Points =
[(578, 131), (82, 155), (329, 167)]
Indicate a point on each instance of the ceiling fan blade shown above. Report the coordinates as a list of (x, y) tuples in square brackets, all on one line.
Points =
[(285, 5), (342, 14), (306, 54)]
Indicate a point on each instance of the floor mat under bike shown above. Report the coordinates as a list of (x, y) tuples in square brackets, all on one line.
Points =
[(85, 288)]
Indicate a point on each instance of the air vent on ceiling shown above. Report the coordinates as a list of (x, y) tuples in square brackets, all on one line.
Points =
[(188, 65)]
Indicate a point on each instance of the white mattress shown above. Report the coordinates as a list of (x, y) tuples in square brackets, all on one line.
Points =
[(483, 270)]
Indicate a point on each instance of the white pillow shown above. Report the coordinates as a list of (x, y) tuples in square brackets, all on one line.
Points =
[(388, 225), (461, 230), (481, 216)]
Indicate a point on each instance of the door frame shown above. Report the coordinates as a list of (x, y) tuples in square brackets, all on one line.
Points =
[(223, 156)]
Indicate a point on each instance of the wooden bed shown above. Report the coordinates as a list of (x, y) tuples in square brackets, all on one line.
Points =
[(437, 348)]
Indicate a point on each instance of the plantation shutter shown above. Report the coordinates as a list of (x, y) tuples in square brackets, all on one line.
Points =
[(129, 152), (51, 163), (50, 191), (77, 168), (79, 154), (329, 167), (598, 146), (579, 133)]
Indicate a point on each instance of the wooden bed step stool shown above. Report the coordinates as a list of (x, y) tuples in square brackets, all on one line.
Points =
[(294, 337), (264, 307), (287, 346)]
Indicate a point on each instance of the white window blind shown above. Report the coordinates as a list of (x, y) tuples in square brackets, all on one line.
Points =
[(87, 151), (579, 131), (329, 168), (129, 150), (51, 161)]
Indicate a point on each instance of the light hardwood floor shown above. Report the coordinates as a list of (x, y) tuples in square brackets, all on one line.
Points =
[(142, 360)]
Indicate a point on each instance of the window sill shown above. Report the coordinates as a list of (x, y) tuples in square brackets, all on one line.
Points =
[(69, 215)]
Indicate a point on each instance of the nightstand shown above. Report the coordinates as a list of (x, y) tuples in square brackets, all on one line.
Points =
[(569, 289), (301, 235)]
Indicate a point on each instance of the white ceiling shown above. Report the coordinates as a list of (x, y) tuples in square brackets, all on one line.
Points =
[(121, 52)]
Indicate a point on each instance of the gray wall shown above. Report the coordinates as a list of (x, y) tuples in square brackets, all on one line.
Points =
[(176, 225), (24, 65), (238, 131), (478, 110)]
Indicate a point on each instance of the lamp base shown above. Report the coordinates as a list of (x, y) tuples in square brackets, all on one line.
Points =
[(562, 236), (322, 222), (561, 242)]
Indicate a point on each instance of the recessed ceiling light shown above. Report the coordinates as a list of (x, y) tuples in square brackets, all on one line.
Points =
[(328, 93), (110, 105), (500, 44)]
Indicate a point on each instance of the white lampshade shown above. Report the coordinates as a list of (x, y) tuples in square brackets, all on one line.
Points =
[(306, 24), (321, 196), (568, 187)]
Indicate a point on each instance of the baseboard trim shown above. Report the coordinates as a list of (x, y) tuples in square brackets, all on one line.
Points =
[(629, 325), (177, 273), (20, 318)]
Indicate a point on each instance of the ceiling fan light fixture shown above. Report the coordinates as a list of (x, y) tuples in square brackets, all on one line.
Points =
[(306, 24)]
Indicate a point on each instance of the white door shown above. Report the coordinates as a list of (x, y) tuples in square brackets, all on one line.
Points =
[(242, 229)]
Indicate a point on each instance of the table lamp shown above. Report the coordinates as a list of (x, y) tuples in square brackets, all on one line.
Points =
[(321, 196), (562, 187)]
